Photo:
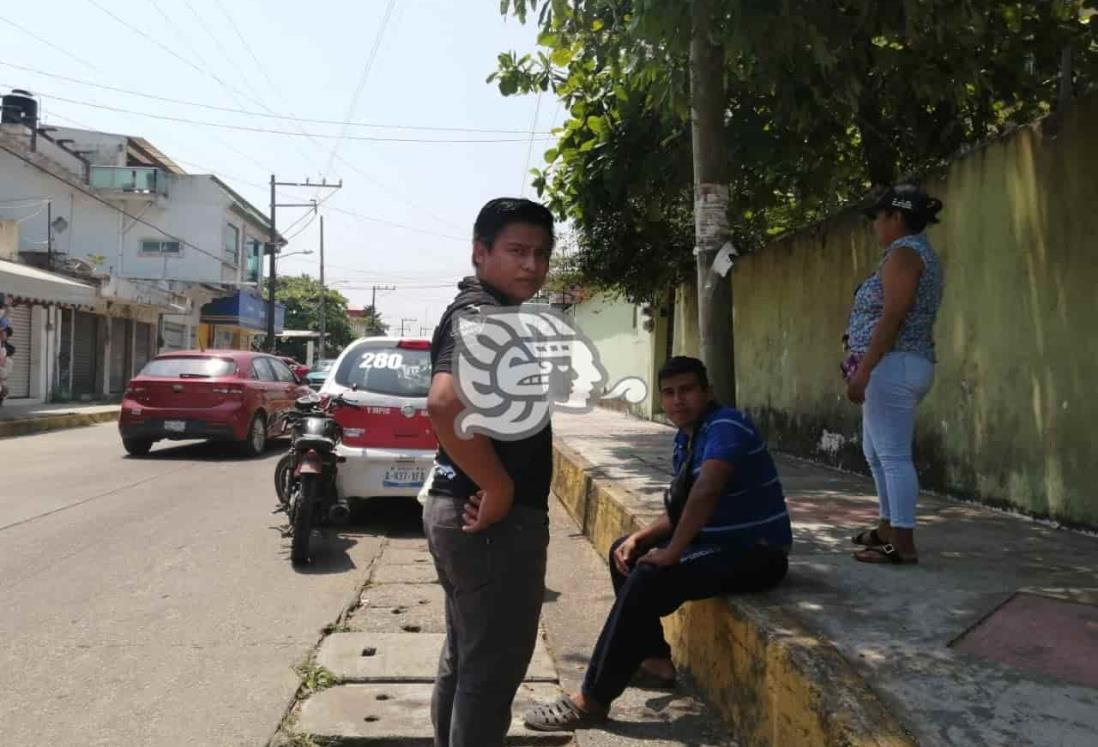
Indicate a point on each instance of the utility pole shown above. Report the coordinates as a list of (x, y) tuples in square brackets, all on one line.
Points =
[(402, 321), (323, 293), (49, 235), (373, 296), (707, 93), (273, 245)]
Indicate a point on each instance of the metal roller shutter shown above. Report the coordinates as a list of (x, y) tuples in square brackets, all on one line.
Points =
[(120, 350), (83, 358), (142, 346), (19, 364)]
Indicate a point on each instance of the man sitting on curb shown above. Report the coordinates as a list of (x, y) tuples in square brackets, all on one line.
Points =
[(725, 530)]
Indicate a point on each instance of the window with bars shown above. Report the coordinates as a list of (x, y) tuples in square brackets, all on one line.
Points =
[(155, 246)]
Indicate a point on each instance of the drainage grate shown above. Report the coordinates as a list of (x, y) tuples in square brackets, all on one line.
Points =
[(1039, 634)]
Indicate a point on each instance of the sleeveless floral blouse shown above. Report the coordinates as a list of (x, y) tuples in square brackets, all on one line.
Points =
[(917, 333)]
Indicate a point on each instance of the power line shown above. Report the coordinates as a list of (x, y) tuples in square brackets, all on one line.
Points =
[(365, 175), (530, 148), (207, 71), (245, 128), (394, 224), (97, 198), (46, 42), (89, 128), (394, 193), (156, 42), (206, 65), (252, 113), (345, 211), (217, 42), (364, 286), (362, 80), (248, 47), (262, 69)]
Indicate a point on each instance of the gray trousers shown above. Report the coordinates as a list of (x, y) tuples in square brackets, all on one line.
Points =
[(494, 583)]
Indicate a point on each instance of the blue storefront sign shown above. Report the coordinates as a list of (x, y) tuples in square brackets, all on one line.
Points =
[(242, 309)]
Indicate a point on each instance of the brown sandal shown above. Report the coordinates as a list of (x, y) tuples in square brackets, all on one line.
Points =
[(885, 554)]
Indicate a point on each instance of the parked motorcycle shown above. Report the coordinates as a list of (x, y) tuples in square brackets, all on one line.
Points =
[(305, 478)]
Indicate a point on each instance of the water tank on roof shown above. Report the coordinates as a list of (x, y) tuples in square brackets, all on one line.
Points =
[(19, 107)]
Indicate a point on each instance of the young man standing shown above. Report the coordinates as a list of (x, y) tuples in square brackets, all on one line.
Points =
[(486, 516), (725, 530)]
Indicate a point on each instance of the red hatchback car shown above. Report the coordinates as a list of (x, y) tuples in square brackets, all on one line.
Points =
[(225, 395)]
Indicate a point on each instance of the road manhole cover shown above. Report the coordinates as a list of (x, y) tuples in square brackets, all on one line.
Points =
[(1039, 634)]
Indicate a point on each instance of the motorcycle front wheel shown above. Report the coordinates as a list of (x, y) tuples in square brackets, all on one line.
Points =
[(307, 498)]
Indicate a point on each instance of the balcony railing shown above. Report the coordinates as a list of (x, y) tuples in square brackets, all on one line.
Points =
[(139, 180)]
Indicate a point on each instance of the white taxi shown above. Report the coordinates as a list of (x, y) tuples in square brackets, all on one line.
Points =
[(389, 445)]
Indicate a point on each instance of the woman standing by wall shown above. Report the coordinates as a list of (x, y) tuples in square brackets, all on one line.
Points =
[(890, 363)]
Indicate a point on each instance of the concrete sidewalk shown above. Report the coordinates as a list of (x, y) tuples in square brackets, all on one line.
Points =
[(991, 640), (21, 419), (381, 655)]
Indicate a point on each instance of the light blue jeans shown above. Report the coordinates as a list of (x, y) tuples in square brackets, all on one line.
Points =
[(896, 386)]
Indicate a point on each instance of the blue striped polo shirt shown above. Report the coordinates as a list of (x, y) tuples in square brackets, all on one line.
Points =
[(752, 508)]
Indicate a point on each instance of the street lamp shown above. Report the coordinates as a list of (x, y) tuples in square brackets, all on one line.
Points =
[(291, 254)]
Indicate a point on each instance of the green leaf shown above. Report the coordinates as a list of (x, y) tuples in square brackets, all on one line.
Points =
[(551, 155), (597, 125), (561, 56)]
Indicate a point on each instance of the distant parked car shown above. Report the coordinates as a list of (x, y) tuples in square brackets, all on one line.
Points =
[(300, 369), (318, 374), (223, 395), (389, 444)]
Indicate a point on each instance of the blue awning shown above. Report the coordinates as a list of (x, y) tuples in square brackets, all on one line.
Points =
[(242, 309)]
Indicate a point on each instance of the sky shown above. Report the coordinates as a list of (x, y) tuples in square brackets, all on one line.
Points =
[(405, 213)]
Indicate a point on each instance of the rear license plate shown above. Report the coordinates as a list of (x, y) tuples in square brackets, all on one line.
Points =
[(404, 477), (175, 426)]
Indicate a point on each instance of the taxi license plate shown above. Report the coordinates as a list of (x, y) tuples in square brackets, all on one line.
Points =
[(175, 426), (404, 477)]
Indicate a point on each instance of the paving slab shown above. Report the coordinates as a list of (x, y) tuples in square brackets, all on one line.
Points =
[(402, 595), (428, 619), (1042, 635), (401, 714), (402, 657), (407, 556), (405, 574), (407, 542)]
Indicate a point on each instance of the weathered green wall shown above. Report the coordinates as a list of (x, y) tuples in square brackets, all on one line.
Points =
[(1010, 419), (686, 334), (626, 348)]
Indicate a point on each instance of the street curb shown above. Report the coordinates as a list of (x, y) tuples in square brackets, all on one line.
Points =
[(11, 428), (774, 682)]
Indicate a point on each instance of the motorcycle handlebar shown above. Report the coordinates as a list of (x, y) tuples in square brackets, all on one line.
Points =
[(326, 404)]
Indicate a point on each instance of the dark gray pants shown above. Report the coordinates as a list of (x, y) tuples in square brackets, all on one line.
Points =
[(494, 583)]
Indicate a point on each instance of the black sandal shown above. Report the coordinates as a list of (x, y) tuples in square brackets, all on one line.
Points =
[(885, 554), (561, 715), (868, 538)]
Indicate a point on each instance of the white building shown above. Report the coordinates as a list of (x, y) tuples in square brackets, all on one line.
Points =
[(155, 244)]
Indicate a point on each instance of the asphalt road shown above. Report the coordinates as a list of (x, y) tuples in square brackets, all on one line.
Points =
[(151, 601)]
